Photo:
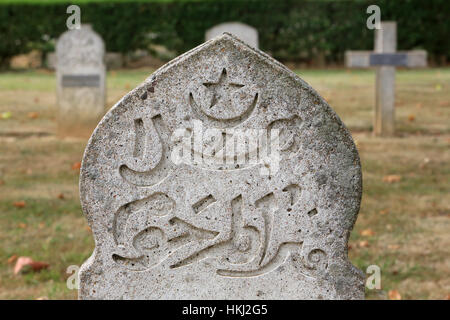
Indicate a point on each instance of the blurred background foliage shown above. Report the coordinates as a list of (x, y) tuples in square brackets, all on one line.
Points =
[(290, 30)]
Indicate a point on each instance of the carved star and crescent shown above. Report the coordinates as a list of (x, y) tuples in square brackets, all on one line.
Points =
[(222, 89), (224, 102)]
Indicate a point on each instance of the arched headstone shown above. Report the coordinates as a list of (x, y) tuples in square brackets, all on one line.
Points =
[(242, 31), (80, 73), (222, 176)]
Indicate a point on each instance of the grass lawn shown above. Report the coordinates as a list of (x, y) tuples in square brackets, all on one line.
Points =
[(409, 236)]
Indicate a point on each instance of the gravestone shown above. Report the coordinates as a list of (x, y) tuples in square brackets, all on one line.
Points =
[(51, 61), (242, 31), (113, 60), (80, 75), (222, 176), (385, 58)]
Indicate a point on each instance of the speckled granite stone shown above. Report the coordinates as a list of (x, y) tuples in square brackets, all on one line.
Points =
[(177, 230)]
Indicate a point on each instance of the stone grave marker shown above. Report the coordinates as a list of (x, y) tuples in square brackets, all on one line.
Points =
[(385, 58), (242, 31), (80, 74), (222, 176), (51, 60)]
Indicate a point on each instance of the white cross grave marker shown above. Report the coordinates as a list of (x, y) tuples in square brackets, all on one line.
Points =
[(385, 58)]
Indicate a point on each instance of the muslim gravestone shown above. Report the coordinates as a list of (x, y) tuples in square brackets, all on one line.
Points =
[(242, 31), (222, 176), (385, 58), (80, 73)]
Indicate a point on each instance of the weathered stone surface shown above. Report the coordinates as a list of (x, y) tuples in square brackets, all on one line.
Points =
[(362, 59), (242, 31), (384, 120), (80, 56), (113, 60), (417, 59), (357, 59), (276, 228), (50, 61)]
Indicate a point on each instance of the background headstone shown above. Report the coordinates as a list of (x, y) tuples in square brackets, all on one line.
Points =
[(385, 58), (114, 60), (242, 31), (80, 74), (50, 61), (276, 228)]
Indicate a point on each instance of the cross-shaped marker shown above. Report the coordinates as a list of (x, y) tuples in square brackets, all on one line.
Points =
[(385, 58)]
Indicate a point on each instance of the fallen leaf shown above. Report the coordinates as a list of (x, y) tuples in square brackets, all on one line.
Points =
[(12, 259), (76, 166), (22, 262), (394, 295), (61, 196), (2, 182), (419, 105), (19, 204), (26, 263), (22, 225), (325, 98), (393, 246), (438, 87), (38, 265), (411, 118), (367, 233), (448, 296), (33, 115), (6, 115), (88, 229), (424, 162), (392, 178), (41, 225), (389, 227), (444, 103), (127, 86), (363, 244), (42, 298), (385, 211), (36, 99)]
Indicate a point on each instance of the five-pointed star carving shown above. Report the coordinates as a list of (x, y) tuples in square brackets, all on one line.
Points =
[(221, 90)]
